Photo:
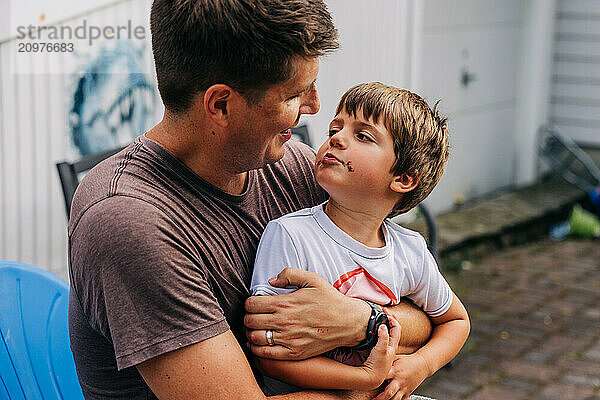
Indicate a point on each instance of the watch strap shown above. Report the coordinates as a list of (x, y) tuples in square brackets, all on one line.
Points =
[(376, 319)]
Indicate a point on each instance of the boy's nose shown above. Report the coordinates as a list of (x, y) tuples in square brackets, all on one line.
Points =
[(337, 140)]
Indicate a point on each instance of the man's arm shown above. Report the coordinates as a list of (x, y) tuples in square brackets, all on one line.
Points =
[(317, 318), (217, 369)]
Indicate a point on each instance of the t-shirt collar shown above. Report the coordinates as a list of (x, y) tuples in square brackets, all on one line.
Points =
[(347, 241)]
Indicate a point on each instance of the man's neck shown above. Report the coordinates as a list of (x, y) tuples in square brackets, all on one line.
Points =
[(189, 143), (363, 226)]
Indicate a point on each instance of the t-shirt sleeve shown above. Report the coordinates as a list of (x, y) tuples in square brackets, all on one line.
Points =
[(276, 251), (139, 282), (431, 292)]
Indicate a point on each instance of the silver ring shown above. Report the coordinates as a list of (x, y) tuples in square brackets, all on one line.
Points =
[(269, 336)]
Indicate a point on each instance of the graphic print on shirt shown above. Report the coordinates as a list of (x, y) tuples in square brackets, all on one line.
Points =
[(360, 284)]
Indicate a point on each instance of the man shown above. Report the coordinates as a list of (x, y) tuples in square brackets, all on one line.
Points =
[(162, 237)]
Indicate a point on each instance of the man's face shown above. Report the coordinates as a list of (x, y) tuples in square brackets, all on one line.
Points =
[(265, 127)]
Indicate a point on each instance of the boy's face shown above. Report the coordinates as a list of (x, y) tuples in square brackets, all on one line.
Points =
[(354, 163)]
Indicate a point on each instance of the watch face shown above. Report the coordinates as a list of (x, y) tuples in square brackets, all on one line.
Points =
[(381, 319)]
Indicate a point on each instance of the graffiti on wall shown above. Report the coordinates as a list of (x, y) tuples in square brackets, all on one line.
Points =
[(113, 101)]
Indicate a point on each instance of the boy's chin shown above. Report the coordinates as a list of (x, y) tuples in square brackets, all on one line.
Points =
[(336, 193), (325, 183)]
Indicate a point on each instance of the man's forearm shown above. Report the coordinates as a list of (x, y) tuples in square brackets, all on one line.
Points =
[(416, 326), (217, 369)]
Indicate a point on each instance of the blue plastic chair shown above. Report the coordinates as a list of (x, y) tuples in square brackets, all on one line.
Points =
[(35, 358)]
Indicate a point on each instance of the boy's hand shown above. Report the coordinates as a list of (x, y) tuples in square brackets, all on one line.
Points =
[(379, 362), (406, 374)]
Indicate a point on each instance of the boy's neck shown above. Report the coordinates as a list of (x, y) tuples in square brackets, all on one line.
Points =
[(363, 226)]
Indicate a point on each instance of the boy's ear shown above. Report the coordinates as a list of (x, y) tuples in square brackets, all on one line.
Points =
[(218, 102), (406, 182)]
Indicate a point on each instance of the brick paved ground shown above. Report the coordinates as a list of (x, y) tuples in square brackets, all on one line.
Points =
[(535, 315)]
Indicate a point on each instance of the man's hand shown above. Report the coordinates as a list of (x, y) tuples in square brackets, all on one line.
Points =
[(406, 374), (310, 321)]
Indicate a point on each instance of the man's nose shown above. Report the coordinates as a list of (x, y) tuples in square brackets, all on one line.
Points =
[(310, 102)]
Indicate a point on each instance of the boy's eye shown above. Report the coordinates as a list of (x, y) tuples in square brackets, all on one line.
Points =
[(332, 132), (363, 137)]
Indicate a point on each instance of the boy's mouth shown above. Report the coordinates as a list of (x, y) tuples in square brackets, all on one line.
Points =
[(331, 159)]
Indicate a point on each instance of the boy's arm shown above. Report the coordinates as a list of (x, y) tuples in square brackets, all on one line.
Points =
[(318, 373), (450, 332)]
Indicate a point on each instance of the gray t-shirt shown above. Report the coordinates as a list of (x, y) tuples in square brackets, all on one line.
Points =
[(160, 259)]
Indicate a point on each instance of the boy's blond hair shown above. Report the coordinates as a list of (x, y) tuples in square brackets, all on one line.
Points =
[(420, 134)]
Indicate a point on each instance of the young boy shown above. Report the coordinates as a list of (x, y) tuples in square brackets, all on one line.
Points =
[(385, 153)]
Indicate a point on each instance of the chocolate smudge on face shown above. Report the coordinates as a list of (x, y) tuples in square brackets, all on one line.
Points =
[(349, 166)]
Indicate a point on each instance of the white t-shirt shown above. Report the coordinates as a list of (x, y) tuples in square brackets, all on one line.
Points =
[(309, 240)]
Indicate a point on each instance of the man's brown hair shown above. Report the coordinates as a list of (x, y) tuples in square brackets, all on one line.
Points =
[(246, 44), (420, 134)]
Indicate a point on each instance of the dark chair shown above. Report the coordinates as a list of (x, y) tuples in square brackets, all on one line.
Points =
[(69, 173), (432, 234)]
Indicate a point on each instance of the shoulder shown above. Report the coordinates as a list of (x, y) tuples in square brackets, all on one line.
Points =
[(296, 151), (409, 241), (122, 225), (103, 180), (296, 216), (402, 232), (298, 227), (297, 220), (119, 210)]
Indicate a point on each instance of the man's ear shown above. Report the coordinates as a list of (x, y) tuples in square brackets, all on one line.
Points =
[(217, 103), (406, 182)]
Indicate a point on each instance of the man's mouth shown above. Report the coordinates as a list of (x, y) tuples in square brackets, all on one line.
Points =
[(287, 134)]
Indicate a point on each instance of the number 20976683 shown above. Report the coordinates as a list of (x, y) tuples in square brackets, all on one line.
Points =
[(41, 47)]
